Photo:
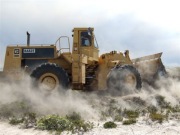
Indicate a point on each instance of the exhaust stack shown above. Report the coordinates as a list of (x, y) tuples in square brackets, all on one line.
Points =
[(28, 38)]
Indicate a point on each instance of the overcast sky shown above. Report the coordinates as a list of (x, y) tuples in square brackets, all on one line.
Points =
[(142, 26)]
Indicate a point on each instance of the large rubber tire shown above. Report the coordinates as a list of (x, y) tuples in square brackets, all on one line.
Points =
[(124, 79), (50, 76)]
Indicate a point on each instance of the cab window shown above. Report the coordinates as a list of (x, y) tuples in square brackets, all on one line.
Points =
[(85, 39)]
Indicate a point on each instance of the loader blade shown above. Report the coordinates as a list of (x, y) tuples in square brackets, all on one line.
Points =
[(150, 67)]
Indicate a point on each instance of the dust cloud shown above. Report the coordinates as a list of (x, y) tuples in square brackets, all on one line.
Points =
[(61, 103), (89, 104), (167, 87)]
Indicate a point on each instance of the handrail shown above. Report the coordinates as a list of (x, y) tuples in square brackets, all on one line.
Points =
[(59, 43)]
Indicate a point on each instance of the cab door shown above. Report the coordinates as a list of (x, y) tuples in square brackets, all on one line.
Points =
[(87, 46)]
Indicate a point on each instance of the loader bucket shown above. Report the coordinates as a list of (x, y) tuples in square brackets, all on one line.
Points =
[(150, 67)]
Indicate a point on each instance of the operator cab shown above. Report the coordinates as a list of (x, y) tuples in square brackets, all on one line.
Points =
[(83, 43)]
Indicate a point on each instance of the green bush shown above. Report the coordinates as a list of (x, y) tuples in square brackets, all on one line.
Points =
[(161, 101), (53, 122), (129, 121), (28, 120), (110, 124), (73, 117), (78, 124), (15, 121), (72, 122), (138, 101), (175, 109), (131, 113), (157, 117)]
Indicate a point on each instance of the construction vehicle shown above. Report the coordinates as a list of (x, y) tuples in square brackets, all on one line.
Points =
[(80, 67)]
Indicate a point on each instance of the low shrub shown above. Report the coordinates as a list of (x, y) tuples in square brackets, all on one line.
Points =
[(72, 122), (138, 101), (161, 101), (109, 124), (15, 121), (53, 122), (28, 120), (157, 117), (78, 124), (129, 121), (131, 113), (175, 109)]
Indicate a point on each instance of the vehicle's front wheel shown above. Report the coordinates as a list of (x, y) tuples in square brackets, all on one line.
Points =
[(49, 77), (124, 79)]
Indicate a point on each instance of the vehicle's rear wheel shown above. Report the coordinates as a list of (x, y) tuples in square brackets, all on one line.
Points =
[(124, 80), (49, 77)]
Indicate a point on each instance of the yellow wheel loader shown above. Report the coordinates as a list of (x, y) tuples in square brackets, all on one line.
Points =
[(80, 67)]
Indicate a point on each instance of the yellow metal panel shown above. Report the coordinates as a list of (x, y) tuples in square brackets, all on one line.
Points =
[(78, 68), (12, 59), (12, 63)]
